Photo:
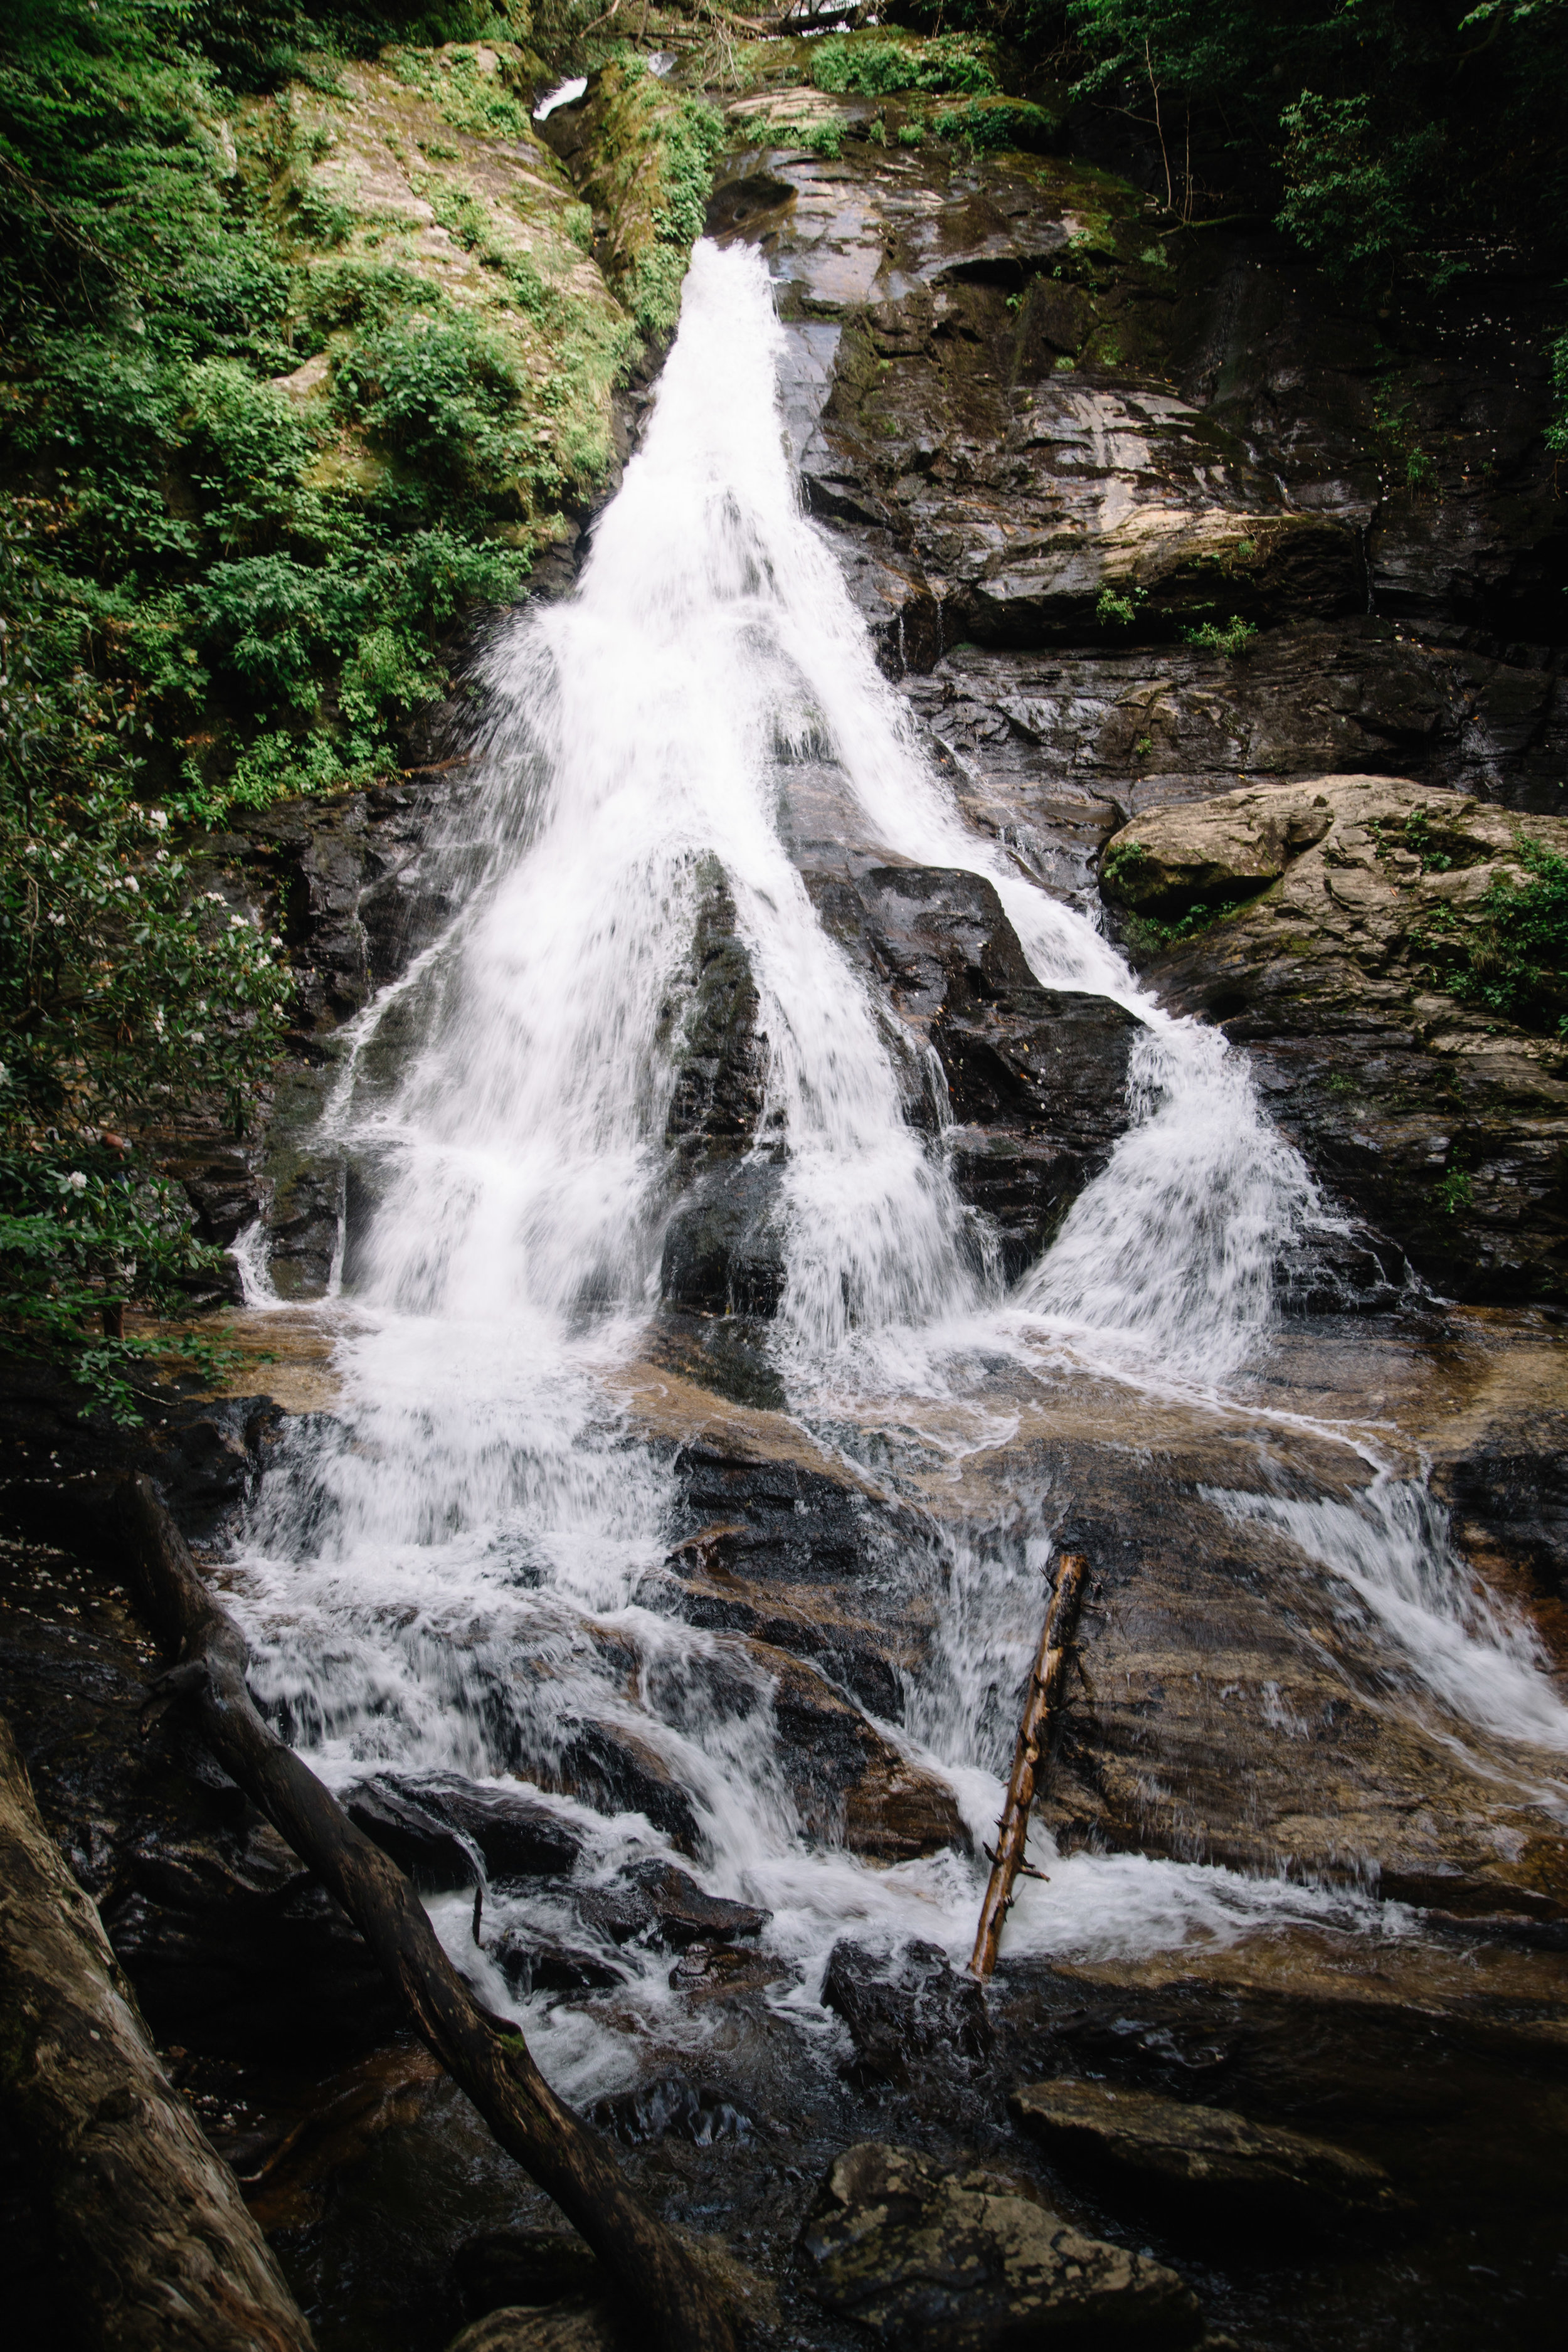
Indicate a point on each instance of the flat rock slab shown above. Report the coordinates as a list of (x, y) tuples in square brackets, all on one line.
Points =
[(1205, 2150), (938, 2262)]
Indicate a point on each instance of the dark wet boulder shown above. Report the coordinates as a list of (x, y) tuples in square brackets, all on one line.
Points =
[(1205, 2154), (1036, 1077), (519, 1835), (655, 1900), (674, 2107), (436, 1856), (615, 1770), (935, 2261), (723, 1248), (536, 1963), (903, 2006)]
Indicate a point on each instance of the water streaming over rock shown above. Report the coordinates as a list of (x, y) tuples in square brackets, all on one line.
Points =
[(463, 1569)]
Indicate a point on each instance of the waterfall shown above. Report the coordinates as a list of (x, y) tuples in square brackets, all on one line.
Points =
[(464, 1564)]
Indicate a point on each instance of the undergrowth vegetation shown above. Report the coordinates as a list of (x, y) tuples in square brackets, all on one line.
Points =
[(296, 370)]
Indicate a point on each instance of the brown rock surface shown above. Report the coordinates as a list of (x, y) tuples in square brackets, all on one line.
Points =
[(1441, 1120), (1235, 2165), (962, 2261)]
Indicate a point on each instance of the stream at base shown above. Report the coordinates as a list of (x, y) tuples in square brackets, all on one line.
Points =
[(468, 1566)]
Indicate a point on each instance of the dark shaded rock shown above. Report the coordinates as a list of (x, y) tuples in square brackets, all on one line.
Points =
[(502, 2267), (674, 2107), (438, 1857), (865, 1657), (907, 2006), (723, 1249), (1036, 1077), (952, 2261), (534, 1963), (720, 1056), (654, 1896), (777, 1518), (608, 1767), (518, 1834), (848, 1781), (1221, 2159)]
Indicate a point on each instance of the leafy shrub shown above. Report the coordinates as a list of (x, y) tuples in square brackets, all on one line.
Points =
[(875, 69), (1510, 957), (994, 126), (1232, 638)]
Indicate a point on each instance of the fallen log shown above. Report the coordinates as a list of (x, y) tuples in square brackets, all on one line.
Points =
[(681, 2307), (157, 2251), (1042, 1707)]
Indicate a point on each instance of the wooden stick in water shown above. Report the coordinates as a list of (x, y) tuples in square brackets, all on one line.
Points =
[(1042, 1711)]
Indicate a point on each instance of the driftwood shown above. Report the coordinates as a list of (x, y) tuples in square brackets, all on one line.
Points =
[(158, 2253), (680, 2304), (1042, 1709)]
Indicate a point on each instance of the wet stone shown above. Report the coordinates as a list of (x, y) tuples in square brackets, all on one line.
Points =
[(655, 1898), (532, 1963), (972, 2261), (674, 2107), (911, 2005), (1205, 2154), (610, 1767), (438, 1858), (519, 1835)]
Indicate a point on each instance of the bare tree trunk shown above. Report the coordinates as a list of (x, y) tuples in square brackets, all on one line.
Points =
[(1042, 1710), (158, 2251), (682, 2306)]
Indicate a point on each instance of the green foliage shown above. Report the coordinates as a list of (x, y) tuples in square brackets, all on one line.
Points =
[(1386, 136), (994, 126), (1509, 956), (1231, 638), (1121, 862), (124, 989), (1453, 1192), (659, 148), (824, 139), (217, 588), (876, 68), (1114, 611)]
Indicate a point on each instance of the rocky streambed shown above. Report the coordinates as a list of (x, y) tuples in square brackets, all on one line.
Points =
[(1276, 2054)]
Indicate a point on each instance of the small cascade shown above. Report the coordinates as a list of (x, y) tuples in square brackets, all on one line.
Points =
[(464, 1569)]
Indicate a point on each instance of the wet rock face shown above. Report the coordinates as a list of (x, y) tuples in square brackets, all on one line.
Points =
[(1206, 2154), (1444, 1124), (1036, 1077), (964, 2262)]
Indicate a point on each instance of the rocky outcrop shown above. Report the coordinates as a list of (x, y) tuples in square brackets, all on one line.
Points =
[(1034, 1077), (1349, 901), (1203, 2155), (904, 2008), (964, 2262)]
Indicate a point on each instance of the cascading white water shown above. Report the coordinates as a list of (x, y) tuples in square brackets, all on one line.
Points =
[(451, 1575)]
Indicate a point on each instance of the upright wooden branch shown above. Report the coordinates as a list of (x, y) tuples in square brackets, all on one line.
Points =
[(676, 2296), (1042, 1712), (157, 2251)]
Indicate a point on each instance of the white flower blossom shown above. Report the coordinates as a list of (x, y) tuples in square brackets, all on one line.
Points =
[(77, 1181)]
